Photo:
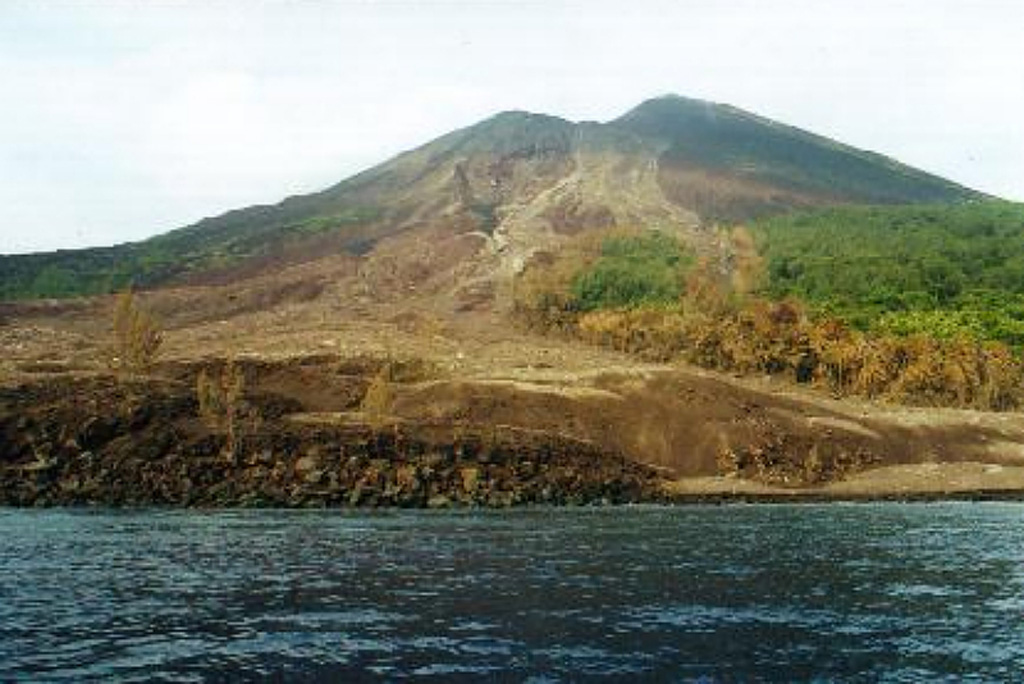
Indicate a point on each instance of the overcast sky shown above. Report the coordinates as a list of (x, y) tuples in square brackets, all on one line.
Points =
[(120, 120)]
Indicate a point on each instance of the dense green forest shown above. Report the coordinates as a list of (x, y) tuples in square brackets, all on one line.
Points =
[(942, 271), (633, 270)]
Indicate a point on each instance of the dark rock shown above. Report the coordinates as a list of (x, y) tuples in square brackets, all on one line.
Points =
[(161, 454)]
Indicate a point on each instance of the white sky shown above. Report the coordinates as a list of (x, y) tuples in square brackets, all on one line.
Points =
[(120, 120)]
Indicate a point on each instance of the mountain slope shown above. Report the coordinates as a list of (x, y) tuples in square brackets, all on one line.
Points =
[(761, 166), (521, 182)]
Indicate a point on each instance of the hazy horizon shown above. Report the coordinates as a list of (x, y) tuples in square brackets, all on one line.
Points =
[(133, 120)]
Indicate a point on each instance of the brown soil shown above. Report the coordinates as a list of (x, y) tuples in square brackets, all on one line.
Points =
[(310, 338)]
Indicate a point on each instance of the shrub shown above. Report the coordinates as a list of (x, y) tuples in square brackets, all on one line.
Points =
[(221, 405), (633, 270), (137, 336), (619, 297), (379, 397)]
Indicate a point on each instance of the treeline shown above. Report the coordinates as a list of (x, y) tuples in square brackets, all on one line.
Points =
[(642, 293), (212, 244), (937, 270)]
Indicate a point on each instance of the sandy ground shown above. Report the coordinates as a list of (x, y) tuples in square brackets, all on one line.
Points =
[(888, 481), (775, 436)]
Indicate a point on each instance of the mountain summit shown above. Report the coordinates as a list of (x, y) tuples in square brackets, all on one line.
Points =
[(777, 163), (519, 182)]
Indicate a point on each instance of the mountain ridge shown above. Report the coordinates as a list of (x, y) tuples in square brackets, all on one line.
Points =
[(521, 179)]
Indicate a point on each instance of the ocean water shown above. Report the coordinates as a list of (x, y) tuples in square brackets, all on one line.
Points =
[(860, 592)]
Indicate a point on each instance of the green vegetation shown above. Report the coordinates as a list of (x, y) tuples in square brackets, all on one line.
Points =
[(754, 166), (137, 337), (486, 215), (940, 271), (221, 405), (599, 270), (210, 244), (934, 293), (633, 270)]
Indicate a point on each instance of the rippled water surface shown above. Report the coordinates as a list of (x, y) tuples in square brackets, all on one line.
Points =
[(851, 592)]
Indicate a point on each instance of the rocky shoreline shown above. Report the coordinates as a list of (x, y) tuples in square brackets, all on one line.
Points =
[(92, 439), (92, 442)]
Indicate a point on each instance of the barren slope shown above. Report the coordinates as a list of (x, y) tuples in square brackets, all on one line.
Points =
[(520, 181)]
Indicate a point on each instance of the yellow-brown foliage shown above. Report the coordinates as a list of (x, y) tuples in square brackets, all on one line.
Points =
[(379, 397), (838, 354), (767, 337), (706, 289), (956, 373), (654, 333), (748, 266), (777, 338), (220, 398), (727, 328), (137, 336)]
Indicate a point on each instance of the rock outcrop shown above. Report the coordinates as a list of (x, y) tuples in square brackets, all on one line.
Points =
[(95, 442)]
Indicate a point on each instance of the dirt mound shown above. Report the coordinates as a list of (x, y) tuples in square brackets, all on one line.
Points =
[(695, 425)]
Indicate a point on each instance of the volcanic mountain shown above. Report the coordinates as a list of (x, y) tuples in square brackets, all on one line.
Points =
[(365, 328), (508, 186)]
